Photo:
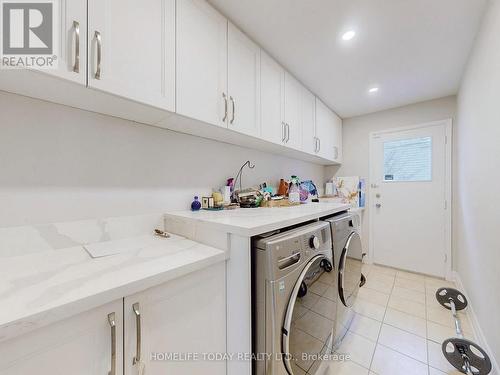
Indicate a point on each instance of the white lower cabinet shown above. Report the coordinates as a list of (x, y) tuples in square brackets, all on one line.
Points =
[(174, 328), (80, 345), (184, 317)]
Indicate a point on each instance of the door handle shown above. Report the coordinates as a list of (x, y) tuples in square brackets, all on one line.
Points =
[(137, 312), (287, 127), (112, 324), (234, 109), (97, 36), (224, 96), (283, 132), (319, 145), (76, 65), (378, 205)]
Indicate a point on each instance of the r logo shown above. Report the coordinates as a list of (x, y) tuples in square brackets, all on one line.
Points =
[(27, 28)]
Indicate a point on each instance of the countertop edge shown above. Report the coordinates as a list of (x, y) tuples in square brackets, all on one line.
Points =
[(39, 319), (250, 232)]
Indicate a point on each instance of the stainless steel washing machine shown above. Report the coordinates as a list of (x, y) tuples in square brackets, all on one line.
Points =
[(294, 309), (347, 258)]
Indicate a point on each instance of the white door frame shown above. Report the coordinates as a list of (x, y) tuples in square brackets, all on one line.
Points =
[(448, 188)]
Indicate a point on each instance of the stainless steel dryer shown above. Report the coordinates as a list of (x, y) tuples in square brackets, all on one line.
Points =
[(347, 257), (293, 303)]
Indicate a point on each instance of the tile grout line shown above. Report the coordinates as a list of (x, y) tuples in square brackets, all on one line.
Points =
[(381, 326)]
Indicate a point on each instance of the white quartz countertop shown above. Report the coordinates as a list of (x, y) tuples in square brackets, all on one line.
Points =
[(40, 288), (253, 221)]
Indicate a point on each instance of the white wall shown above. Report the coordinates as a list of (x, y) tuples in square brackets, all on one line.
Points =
[(477, 178), (61, 164), (356, 132)]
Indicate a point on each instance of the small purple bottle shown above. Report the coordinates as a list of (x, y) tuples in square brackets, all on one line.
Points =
[(196, 205)]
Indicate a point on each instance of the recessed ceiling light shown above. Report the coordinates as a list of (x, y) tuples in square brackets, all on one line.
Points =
[(348, 35), (373, 90)]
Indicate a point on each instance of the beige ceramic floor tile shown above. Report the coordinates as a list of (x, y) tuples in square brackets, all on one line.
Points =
[(383, 286), (438, 333), (342, 368), (309, 300), (406, 322), (369, 309), (437, 359), (319, 288), (406, 343), (359, 348), (415, 285), (433, 371), (315, 325), (390, 362), (443, 316), (409, 295), (325, 307), (432, 283), (409, 307), (384, 270), (409, 275), (374, 296), (367, 327)]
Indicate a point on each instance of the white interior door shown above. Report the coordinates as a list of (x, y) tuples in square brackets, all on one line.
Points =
[(409, 214)]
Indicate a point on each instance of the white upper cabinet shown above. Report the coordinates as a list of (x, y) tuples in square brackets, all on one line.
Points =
[(71, 46), (243, 83), (185, 315), (132, 50), (293, 122), (201, 60), (337, 139), (86, 344), (308, 116), (325, 130), (272, 87)]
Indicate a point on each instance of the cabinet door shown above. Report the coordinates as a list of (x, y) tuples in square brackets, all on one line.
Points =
[(184, 316), (272, 87), (293, 136), (80, 345), (71, 46), (243, 82), (132, 50), (308, 117), (201, 56), (325, 130), (337, 139)]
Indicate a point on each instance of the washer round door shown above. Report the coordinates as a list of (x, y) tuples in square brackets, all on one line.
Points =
[(350, 270), (310, 317)]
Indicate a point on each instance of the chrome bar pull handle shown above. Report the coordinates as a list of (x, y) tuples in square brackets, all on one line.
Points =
[(112, 324), (76, 65), (97, 36), (224, 96), (234, 109), (137, 312), (283, 132), (287, 128)]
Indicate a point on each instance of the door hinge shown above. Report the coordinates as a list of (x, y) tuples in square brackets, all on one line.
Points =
[(445, 205), (446, 258), (445, 139)]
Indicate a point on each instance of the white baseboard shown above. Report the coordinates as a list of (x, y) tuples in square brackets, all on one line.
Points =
[(476, 327)]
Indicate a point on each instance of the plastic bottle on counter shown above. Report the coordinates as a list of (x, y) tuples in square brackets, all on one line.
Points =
[(294, 190)]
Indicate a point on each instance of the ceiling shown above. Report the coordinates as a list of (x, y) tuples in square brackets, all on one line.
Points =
[(413, 50)]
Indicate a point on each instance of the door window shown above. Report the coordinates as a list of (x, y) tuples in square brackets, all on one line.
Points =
[(408, 160)]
